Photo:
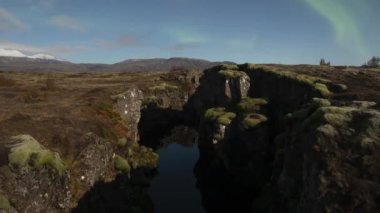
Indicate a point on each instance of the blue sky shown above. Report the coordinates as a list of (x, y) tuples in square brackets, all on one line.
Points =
[(256, 31)]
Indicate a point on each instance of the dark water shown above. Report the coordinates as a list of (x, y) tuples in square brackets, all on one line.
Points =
[(174, 188)]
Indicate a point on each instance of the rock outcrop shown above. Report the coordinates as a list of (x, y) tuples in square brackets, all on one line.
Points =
[(286, 143), (128, 105), (35, 179), (330, 160)]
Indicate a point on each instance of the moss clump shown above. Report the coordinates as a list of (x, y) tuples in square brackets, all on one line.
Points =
[(164, 86), (308, 109), (214, 113), (122, 141), (117, 97), (336, 116), (231, 73), (229, 67), (322, 88), (320, 102), (337, 87), (253, 119), (141, 156), (28, 153), (151, 99), (251, 104), (4, 202), (219, 115), (108, 111), (121, 164), (315, 83), (226, 118)]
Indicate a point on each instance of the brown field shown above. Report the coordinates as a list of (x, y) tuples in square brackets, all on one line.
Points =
[(59, 108)]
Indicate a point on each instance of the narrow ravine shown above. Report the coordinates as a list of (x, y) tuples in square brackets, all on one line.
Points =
[(174, 187)]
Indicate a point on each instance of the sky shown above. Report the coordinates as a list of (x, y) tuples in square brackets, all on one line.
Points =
[(255, 31)]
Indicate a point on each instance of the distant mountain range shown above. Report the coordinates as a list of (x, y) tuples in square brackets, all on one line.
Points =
[(14, 60)]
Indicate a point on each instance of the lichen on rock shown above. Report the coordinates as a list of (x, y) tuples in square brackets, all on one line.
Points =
[(26, 153)]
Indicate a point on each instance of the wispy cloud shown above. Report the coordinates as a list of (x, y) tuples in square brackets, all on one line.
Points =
[(66, 23), (343, 22), (123, 41), (56, 50), (186, 36), (22, 47), (9, 22), (47, 3)]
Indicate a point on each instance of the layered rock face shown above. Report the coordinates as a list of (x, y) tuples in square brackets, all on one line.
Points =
[(285, 146), (330, 160), (128, 105)]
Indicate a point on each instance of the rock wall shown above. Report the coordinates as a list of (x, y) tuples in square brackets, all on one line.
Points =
[(297, 152)]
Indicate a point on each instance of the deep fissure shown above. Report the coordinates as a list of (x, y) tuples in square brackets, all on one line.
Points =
[(248, 120)]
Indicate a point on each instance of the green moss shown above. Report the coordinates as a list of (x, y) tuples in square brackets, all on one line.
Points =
[(121, 164), (337, 87), (253, 119), (107, 110), (122, 141), (141, 156), (102, 106), (164, 86), (320, 102), (213, 113), (229, 67), (336, 116), (231, 73), (322, 88), (251, 104), (4, 202), (312, 82), (328, 130), (117, 97), (149, 99), (226, 118), (219, 115), (29, 153)]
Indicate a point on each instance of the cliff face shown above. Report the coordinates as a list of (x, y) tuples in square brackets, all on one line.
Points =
[(296, 151)]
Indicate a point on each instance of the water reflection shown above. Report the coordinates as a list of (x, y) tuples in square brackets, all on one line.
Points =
[(174, 188)]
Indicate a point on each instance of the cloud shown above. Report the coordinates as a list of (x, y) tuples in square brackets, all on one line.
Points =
[(344, 24), (186, 36), (22, 47), (9, 22), (181, 47), (56, 50), (66, 23), (123, 41), (47, 3)]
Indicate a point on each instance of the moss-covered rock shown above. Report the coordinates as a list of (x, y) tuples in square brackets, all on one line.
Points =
[(319, 85), (219, 115), (231, 73), (229, 67), (121, 164), (122, 141), (141, 156), (28, 153), (164, 86), (251, 104), (4, 202), (252, 120)]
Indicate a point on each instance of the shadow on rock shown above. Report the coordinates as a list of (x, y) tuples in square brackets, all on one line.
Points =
[(121, 195)]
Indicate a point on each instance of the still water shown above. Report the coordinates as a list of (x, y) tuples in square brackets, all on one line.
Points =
[(174, 188)]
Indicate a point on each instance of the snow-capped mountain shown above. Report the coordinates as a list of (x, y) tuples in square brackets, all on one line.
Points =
[(11, 53), (42, 56), (19, 54)]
